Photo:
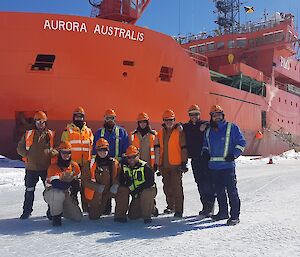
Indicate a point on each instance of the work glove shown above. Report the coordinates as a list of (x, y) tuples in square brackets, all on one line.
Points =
[(134, 195), (114, 188), (127, 180), (101, 188), (67, 176), (205, 156), (183, 168), (230, 158)]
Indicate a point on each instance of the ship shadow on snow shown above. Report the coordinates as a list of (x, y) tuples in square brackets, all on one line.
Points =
[(162, 226)]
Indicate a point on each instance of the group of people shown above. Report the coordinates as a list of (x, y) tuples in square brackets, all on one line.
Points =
[(112, 165)]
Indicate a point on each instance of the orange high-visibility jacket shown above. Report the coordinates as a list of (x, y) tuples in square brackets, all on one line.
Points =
[(29, 135), (81, 141), (174, 147), (89, 192), (136, 141), (56, 172)]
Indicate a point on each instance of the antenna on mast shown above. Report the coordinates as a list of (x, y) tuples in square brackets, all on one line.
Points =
[(228, 12)]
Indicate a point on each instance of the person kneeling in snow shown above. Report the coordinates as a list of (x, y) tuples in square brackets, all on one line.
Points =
[(62, 183), (136, 179), (101, 180)]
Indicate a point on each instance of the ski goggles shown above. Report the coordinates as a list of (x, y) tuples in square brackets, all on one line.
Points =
[(110, 118)]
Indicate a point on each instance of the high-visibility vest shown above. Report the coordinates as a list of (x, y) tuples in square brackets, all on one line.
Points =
[(137, 175), (226, 146), (29, 136), (174, 147), (137, 143), (81, 144), (117, 130), (88, 192)]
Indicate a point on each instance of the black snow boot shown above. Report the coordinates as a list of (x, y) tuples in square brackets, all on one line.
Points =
[(155, 212), (48, 214), (147, 221), (233, 222), (56, 220), (220, 216), (25, 215), (208, 209)]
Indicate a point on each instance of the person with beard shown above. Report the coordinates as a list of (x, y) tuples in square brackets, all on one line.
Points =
[(194, 132), (117, 138), (102, 183), (36, 148), (223, 143), (81, 138), (137, 179), (172, 162), (62, 177)]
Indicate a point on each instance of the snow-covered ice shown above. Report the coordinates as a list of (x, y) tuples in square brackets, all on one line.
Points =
[(270, 213)]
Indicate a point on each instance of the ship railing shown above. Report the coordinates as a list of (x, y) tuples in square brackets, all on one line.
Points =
[(200, 59), (280, 85)]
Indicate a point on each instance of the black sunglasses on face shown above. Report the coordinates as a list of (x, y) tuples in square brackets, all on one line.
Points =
[(65, 152), (169, 119)]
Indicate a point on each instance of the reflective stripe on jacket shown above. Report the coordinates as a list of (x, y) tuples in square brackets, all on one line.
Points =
[(227, 139), (174, 147), (29, 135), (81, 141), (137, 175), (56, 172), (142, 142), (117, 139), (89, 192)]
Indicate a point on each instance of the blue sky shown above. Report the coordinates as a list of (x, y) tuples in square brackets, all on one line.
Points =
[(161, 15)]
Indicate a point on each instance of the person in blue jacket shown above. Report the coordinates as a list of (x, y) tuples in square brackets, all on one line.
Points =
[(223, 143), (117, 138)]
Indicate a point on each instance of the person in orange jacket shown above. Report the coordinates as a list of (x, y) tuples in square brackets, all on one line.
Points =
[(102, 180), (172, 162), (62, 179), (36, 148), (81, 138)]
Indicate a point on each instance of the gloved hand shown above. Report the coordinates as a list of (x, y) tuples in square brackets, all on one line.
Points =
[(114, 188), (205, 156), (134, 195), (67, 176), (183, 168), (230, 158), (101, 188)]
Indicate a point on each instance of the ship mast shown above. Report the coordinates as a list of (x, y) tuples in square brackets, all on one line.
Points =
[(127, 11), (228, 12)]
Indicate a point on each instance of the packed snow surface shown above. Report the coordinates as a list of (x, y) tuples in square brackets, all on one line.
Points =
[(270, 213)]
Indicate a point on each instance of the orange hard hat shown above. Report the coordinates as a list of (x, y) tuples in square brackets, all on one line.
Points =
[(194, 108), (66, 145), (79, 110), (40, 115), (142, 116), (131, 151), (110, 112), (168, 114), (102, 143), (216, 108)]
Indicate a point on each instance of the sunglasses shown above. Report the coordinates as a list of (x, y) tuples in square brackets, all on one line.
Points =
[(65, 152), (102, 150), (132, 157), (109, 118), (38, 122), (194, 114), (169, 119)]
